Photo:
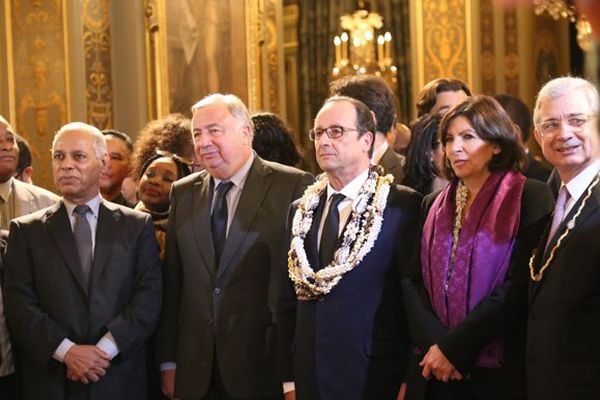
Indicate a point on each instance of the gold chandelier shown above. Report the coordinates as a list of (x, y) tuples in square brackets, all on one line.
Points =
[(358, 51), (560, 9)]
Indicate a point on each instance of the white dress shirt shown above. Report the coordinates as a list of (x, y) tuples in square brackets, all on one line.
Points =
[(578, 184)]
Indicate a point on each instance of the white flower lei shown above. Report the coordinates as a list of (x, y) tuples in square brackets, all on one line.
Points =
[(359, 236)]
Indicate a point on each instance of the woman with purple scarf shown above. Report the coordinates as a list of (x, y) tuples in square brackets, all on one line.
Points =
[(466, 295)]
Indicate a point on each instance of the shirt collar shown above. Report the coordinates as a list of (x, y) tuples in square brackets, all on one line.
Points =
[(580, 183), (239, 178), (93, 204), (379, 152), (352, 189), (6, 189)]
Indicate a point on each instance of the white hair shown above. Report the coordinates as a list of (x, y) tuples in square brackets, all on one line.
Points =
[(234, 104), (562, 86), (98, 138)]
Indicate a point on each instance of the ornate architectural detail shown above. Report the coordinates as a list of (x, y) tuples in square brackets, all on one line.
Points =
[(445, 39), (96, 50), (271, 58), (488, 59), (38, 83), (511, 53)]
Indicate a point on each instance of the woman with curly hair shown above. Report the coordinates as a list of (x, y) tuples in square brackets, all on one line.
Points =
[(274, 140), (171, 134)]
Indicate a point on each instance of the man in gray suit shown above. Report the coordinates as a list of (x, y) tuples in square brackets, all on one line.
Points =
[(16, 198), (82, 283), (224, 252)]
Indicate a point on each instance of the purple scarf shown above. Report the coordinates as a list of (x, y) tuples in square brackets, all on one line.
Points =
[(483, 254)]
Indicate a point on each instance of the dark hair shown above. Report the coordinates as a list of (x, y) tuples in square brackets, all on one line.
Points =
[(183, 169), (24, 154), (518, 111), (492, 125), (171, 134), (374, 92), (274, 140), (428, 95), (364, 118), (120, 135), (419, 168)]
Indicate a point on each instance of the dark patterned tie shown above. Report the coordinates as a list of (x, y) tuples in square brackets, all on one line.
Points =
[(219, 216), (83, 239), (331, 227)]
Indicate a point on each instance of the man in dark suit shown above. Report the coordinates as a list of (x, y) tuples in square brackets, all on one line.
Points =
[(375, 93), (82, 283), (118, 166), (520, 115), (342, 323), (563, 350), (225, 248)]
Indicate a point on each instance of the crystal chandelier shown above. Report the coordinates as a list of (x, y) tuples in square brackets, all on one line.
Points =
[(560, 9), (359, 51)]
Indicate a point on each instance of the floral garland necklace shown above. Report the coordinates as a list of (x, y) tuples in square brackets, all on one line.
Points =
[(358, 237)]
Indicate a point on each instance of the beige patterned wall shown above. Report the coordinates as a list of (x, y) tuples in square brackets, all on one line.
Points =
[(96, 50), (37, 75)]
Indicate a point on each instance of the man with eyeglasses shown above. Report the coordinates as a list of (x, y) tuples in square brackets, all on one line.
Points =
[(563, 331), (342, 323), (223, 263)]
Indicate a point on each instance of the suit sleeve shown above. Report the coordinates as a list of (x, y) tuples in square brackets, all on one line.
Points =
[(31, 327), (134, 324), (167, 328), (506, 306)]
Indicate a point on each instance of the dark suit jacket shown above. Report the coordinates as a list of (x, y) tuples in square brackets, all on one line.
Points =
[(353, 342), (226, 310), (393, 163), (563, 328), (536, 170), (501, 314), (47, 300)]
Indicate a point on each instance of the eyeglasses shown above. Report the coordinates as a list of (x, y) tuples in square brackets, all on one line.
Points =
[(332, 132), (551, 127)]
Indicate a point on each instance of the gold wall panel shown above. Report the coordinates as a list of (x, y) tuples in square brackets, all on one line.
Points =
[(38, 73), (488, 58), (271, 45), (445, 35), (96, 50), (511, 53)]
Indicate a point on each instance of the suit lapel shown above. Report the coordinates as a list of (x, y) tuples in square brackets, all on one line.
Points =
[(201, 204), (60, 230), (255, 188), (106, 230), (588, 210)]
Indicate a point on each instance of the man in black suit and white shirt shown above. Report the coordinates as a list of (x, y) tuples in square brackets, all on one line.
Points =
[(224, 252), (82, 283), (563, 350)]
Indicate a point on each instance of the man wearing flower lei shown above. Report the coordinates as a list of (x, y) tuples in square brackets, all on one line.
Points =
[(342, 324), (563, 329)]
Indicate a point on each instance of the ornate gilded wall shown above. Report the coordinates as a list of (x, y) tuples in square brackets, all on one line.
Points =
[(96, 50), (37, 75)]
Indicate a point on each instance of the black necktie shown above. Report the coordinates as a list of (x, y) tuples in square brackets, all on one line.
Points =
[(219, 217), (83, 239), (331, 227)]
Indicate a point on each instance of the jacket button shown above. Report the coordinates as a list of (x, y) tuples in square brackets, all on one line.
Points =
[(217, 291)]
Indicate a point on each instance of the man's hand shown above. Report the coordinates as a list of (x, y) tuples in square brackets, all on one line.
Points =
[(291, 395), (167, 380), (86, 363), (435, 363)]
